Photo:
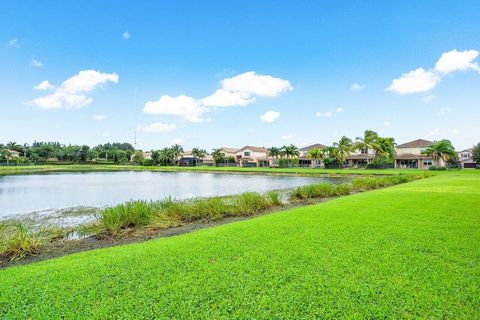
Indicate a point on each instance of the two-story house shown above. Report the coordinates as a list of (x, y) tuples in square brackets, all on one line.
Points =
[(305, 161), (250, 156), (466, 158), (411, 155), (359, 157)]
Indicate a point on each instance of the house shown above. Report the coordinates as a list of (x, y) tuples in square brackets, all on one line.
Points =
[(229, 152), (13, 154), (189, 160), (360, 157), (411, 155), (146, 156), (250, 156), (466, 158), (305, 161)]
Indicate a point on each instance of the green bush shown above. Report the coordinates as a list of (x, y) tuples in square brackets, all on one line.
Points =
[(343, 189), (435, 168), (148, 162), (274, 198), (249, 203), (320, 190)]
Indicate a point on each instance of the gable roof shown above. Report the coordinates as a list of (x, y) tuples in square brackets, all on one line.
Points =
[(229, 150), (466, 150), (254, 149), (313, 146), (419, 143)]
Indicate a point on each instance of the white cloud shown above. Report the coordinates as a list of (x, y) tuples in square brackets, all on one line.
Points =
[(15, 43), (270, 116), (158, 127), (287, 136), (126, 35), (71, 92), (428, 99), (178, 141), (256, 84), (225, 98), (99, 117), (443, 111), (457, 61), (419, 80), (357, 87), (434, 132), (386, 123), (36, 63), (44, 85), (184, 106), (455, 131), (327, 114), (339, 110)]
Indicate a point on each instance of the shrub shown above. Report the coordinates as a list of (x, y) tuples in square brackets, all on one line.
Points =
[(148, 162), (435, 168), (274, 198), (19, 243), (320, 190), (209, 209)]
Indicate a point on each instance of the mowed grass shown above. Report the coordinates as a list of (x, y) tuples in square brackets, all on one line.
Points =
[(408, 251)]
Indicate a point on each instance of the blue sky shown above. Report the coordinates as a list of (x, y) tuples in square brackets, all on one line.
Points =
[(312, 71)]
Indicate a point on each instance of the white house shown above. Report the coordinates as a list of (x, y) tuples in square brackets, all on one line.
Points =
[(305, 161), (411, 155), (466, 158)]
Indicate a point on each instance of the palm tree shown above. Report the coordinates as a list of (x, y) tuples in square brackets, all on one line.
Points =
[(218, 155), (342, 149), (316, 154), (176, 151), (290, 152), (274, 152), (6, 153), (440, 150), (369, 141), (199, 153)]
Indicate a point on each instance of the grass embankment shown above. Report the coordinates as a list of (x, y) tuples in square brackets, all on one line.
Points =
[(114, 168), (17, 243), (409, 251)]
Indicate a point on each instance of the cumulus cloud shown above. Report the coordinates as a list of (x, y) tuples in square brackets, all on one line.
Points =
[(457, 61), (270, 116), (99, 117), (44, 85), (434, 132), (126, 35), (421, 80), (225, 98), (357, 87), (183, 106), (287, 136), (256, 84), (178, 141), (36, 63), (158, 127), (340, 110), (327, 114), (239, 90), (71, 93)]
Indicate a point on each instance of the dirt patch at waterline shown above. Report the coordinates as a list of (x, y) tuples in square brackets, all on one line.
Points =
[(64, 247)]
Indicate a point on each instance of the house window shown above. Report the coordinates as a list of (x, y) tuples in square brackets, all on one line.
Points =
[(246, 154), (427, 162), (423, 150)]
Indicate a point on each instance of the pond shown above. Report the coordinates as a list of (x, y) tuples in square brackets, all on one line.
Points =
[(70, 198)]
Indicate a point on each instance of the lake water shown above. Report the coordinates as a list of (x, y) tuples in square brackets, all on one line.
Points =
[(44, 194)]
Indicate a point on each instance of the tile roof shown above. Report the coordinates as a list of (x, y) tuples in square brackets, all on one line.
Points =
[(416, 144), (313, 146)]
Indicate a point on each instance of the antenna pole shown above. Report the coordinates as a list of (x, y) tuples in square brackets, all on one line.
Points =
[(135, 110)]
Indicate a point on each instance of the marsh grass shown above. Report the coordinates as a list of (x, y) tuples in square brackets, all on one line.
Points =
[(18, 242)]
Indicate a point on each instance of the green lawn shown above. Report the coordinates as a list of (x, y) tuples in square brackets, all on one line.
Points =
[(409, 251), (100, 167)]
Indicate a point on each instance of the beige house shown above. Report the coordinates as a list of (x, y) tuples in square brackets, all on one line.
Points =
[(360, 157), (411, 155), (250, 156), (466, 158), (305, 161), (229, 152)]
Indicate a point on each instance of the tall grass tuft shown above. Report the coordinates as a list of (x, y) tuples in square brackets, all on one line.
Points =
[(126, 215), (18, 243)]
